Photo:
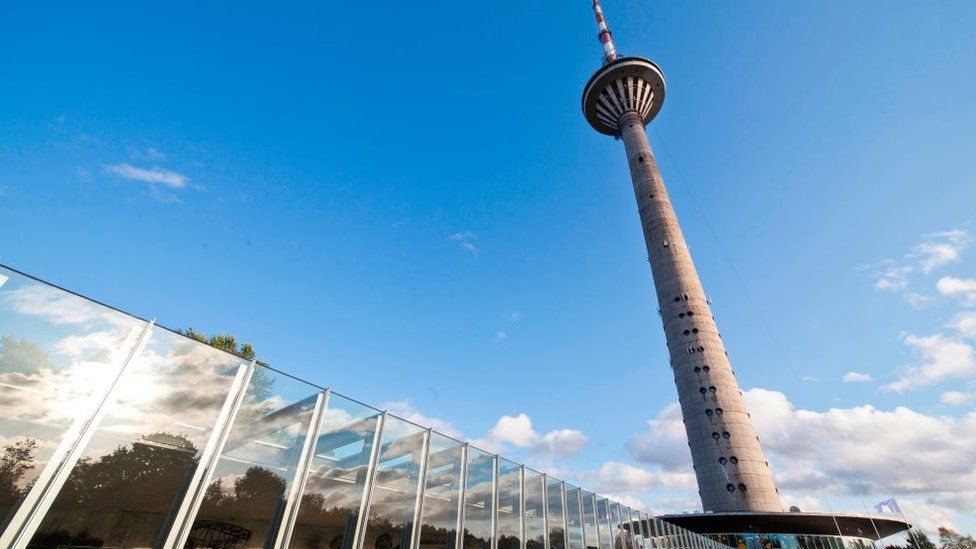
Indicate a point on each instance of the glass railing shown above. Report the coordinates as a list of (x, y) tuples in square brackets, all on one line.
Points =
[(117, 432)]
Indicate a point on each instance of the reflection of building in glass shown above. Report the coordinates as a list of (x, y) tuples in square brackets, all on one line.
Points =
[(116, 432)]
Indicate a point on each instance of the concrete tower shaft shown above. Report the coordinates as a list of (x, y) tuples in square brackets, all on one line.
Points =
[(731, 469), (732, 472)]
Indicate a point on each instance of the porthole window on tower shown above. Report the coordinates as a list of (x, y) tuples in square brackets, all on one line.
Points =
[(734, 459), (677, 299), (697, 369), (742, 487), (730, 487), (719, 411), (706, 368), (722, 460), (639, 158), (695, 330), (709, 412), (726, 435), (702, 390), (712, 388), (687, 332), (716, 435), (691, 313), (681, 315), (701, 349)]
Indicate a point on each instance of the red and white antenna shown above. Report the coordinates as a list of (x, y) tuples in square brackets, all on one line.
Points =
[(606, 37)]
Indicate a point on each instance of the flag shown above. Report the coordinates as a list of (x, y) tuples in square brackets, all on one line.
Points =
[(888, 506)]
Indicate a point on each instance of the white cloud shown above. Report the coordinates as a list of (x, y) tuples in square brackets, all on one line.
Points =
[(965, 324), (513, 317), (809, 379), (957, 398), (849, 451), (665, 442), (940, 357), (465, 241), (964, 288), (857, 377), (940, 249), (154, 175), (519, 432), (501, 335), (935, 250)]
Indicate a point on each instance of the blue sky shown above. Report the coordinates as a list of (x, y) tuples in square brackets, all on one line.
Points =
[(411, 190)]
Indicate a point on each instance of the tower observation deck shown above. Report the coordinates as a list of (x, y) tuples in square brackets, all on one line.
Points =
[(620, 99)]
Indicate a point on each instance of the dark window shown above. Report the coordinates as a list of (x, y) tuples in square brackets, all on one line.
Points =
[(712, 388), (730, 487), (639, 158), (701, 349), (716, 436), (706, 368), (702, 390), (719, 411), (691, 313), (734, 459), (742, 487), (681, 315), (722, 460), (726, 435), (697, 369), (709, 412), (687, 332), (677, 299), (695, 330)]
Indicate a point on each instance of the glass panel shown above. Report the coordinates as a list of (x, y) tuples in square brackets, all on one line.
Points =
[(554, 497), (535, 513), (616, 529), (574, 517), (249, 486), (56, 350), (478, 499), (442, 492), (589, 521), (626, 526), (135, 469), (509, 526), (333, 492), (393, 497), (603, 519)]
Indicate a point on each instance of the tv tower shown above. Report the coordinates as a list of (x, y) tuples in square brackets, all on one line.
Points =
[(732, 472)]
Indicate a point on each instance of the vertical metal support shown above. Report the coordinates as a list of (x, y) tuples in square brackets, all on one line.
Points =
[(463, 494), (596, 522), (545, 510), (368, 487), (494, 502), (301, 471), (521, 498), (418, 503), (562, 496), (48, 484), (582, 515), (183, 521)]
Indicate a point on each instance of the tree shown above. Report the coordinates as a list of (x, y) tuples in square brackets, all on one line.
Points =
[(224, 342), (950, 539), (917, 539)]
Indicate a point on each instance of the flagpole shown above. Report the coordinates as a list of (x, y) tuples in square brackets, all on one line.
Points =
[(871, 518), (832, 515), (904, 518)]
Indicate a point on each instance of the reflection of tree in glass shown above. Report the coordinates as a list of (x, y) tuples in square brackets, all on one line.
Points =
[(17, 459), (21, 356)]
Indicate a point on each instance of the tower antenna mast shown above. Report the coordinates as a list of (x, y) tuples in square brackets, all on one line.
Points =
[(606, 36)]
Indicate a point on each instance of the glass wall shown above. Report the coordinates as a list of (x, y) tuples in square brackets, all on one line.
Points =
[(509, 516), (574, 517), (590, 521), (119, 433), (479, 492), (791, 541), (556, 516), (535, 512), (441, 507)]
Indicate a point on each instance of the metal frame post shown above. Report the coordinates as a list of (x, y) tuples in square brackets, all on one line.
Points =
[(374, 455), (39, 499), (545, 510), (418, 503), (494, 502), (562, 495), (283, 538), (459, 536), (522, 543), (183, 520)]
